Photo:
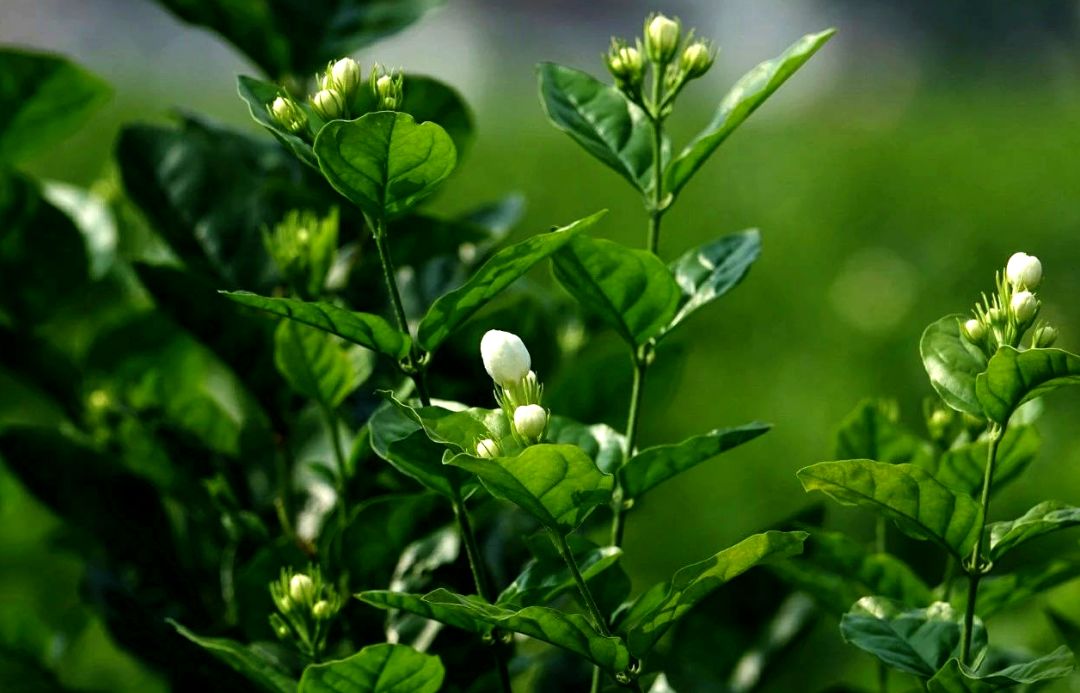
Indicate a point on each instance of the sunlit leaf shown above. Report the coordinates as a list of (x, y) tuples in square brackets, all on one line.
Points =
[(385, 668), (711, 270), (962, 468), (1013, 377), (952, 362), (1046, 517), (955, 677), (318, 364)]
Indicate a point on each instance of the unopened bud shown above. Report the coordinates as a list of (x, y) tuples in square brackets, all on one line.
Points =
[(487, 448), (343, 75), (328, 103), (530, 421), (1024, 271), (301, 589), (288, 114), (322, 610), (506, 359), (973, 330), (661, 38), (940, 419), (1024, 306), (1044, 337), (388, 88), (625, 64), (696, 59)]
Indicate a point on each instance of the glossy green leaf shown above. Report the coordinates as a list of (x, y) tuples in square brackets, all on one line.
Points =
[(258, 95), (711, 270), (1046, 517), (257, 664), (572, 632), (743, 99), (43, 99), (600, 119), (999, 592), (318, 364), (653, 466), (1013, 377), (428, 99), (385, 162), (503, 269), (287, 38), (838, 571), (919, 504), (952, 362), (914, 641), (547, 577), (384, 668), (460, 429), (398, 439), (629, 289), (659, 607), (962, 468), (557, 484), (367, 330), (955, 677), (873, 432)]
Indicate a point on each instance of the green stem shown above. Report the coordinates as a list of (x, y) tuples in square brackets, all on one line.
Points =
[(618, 521), (583, 588), (975, 569)]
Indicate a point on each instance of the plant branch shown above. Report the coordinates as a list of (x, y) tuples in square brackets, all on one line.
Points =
[(583, 588), (975, 569)]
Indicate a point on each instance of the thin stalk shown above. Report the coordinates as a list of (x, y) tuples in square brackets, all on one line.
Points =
[(583, 588), (975, 569), (618, 521)]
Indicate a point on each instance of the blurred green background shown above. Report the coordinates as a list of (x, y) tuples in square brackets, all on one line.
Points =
[(889, 178)]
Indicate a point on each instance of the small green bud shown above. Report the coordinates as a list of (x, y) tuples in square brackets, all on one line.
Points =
[(696, 59), (280, 628), (1044, 337), (322, 610), (288, 114), (388, 88), (328, 103), (487, 448), (1024, 306), (301, 589), (973, 330), (343, 75), (661, 38), (625, 64)]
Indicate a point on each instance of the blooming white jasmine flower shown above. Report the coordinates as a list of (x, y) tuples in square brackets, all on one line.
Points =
[(1024, 306), (506, 359), (1024, 271), (530, 421), (487, 448), (661, 38), (301, 589)]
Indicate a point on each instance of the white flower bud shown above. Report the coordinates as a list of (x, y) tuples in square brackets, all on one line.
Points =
[(301, 589), (974, 330), (288, 114), (530, 421), (696, 59), (328, 103), (1044, 337), (506, 359), (1024, 271), (661, 38), (322, 610), (1024, 306), (344, 75), (487, 448)]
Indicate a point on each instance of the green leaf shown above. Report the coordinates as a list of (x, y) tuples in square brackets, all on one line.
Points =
[(503, 269), (711, 270), (402, 442), (286, 38), (319, 365), (998, 593), (919, 504), (378, 530), (572, 632), (257, 664), (631, 290), (952, 362), (43, 99), (557, 484), (1046, 517), (258, 95), (955, 677), (914, 641), (873, 432), (547, 577), (367, 330), (459, 430), (600, 119), (962, 468), (428, 99), (663, 604), (838, 571), (385, 162), (601, 442), (1013, 377), (653, 466), (743, 99), (384, 668)]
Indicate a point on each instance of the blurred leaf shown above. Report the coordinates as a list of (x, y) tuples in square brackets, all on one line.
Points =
[(998, 593), (92, 216), (1046, 517), (43, 99), (963, 467), (557, 484), (384, 668), (919, 504), (873, 432), (1013, 377), (955, 677), (285, 37), (258, 95), (602, 443), (320, 365), (952, 362), (741, 100), (571, 632), (385, 162), (914, 641), (547, 577), (711, 270), (653, 466), (256, 663), (600, 119), (367, 330), (1066, 628), (659, 607), (838, 571), (379, 529), (505, 267), (631, 290)]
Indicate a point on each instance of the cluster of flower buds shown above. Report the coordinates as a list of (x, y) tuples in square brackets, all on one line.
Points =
[(306, 604), (517, 390), (675, 58), (303, 246), (338, 95), (1004, 318)]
